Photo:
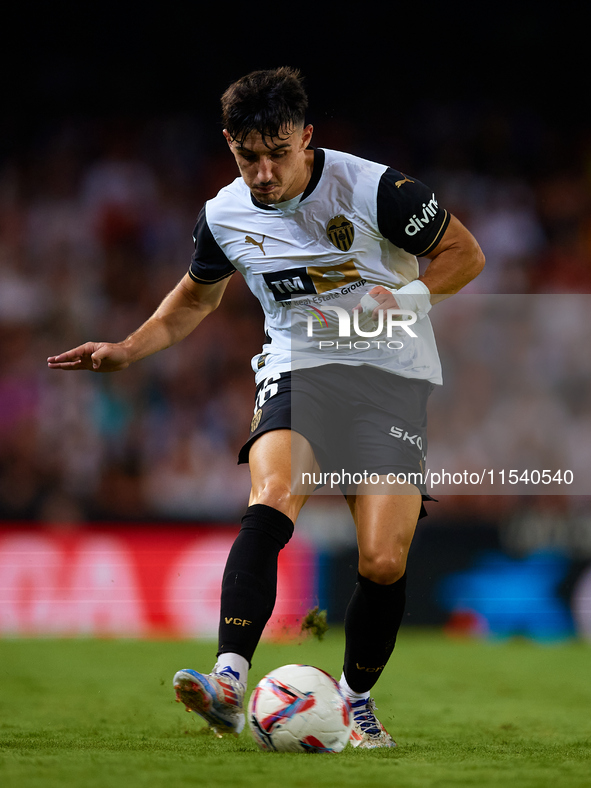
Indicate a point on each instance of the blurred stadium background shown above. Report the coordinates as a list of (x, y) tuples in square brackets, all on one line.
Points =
[(110, 144)]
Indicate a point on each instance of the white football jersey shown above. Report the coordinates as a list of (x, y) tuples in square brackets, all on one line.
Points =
[(358, 224)]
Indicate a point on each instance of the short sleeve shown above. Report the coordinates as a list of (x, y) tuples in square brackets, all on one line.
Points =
[(408, 213), (208, 264)]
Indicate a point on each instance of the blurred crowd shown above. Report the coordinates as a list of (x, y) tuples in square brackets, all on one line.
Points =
[(96, 219)]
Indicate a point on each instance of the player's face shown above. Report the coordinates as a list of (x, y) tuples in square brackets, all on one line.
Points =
[(276, 169)]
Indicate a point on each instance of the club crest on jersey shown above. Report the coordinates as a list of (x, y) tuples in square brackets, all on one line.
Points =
[(311, 280), (341, 232)]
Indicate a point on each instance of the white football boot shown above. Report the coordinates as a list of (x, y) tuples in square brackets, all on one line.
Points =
[(368, 732), (217, 697)]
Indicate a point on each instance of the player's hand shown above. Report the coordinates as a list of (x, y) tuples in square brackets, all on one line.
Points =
[(95, 356), (383, 299)]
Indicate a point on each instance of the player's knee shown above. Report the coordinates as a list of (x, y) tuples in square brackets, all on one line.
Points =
[(382, 569), (276, 493)]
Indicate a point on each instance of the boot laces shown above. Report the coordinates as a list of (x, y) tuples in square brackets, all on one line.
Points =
[(366, 719)]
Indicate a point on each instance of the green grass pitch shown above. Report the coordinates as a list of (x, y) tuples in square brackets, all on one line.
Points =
[(90, 713)]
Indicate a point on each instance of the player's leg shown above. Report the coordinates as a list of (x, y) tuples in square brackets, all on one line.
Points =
[(277, 460), (385, 527), (249, 585)]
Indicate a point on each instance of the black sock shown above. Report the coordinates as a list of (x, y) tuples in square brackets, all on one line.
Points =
[(372, 621), (249, 587)]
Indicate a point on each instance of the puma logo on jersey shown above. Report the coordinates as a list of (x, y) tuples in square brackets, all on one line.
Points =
[(398, 184), (250, 240)]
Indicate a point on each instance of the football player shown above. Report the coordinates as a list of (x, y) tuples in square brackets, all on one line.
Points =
[(328, 242)]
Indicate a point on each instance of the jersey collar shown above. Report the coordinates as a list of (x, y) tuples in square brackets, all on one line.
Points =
[(290, 205)]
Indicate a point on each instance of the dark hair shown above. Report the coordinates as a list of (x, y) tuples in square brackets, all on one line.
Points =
[(270, 102)]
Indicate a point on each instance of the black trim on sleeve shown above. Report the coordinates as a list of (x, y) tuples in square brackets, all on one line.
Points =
[(408, 213), (208, 263)]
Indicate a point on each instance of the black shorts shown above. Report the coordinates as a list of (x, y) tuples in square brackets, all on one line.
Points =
[(358, 419)]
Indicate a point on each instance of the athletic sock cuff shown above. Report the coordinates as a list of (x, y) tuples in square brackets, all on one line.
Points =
[(272, 522), (377, 590)]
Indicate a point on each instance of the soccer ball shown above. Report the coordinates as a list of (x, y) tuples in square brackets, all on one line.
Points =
[(299, 708)]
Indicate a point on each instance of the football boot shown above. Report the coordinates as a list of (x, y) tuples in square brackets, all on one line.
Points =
[(217, 697), (368, 732)]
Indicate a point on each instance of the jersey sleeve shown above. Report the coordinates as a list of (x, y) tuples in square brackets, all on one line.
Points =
[(208, 263), (408, 213)]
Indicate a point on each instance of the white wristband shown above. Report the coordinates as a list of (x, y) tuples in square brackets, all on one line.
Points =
[(416, 287), (415, 296)]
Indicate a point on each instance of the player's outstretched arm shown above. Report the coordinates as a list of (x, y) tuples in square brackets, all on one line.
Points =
[(179, 313)]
